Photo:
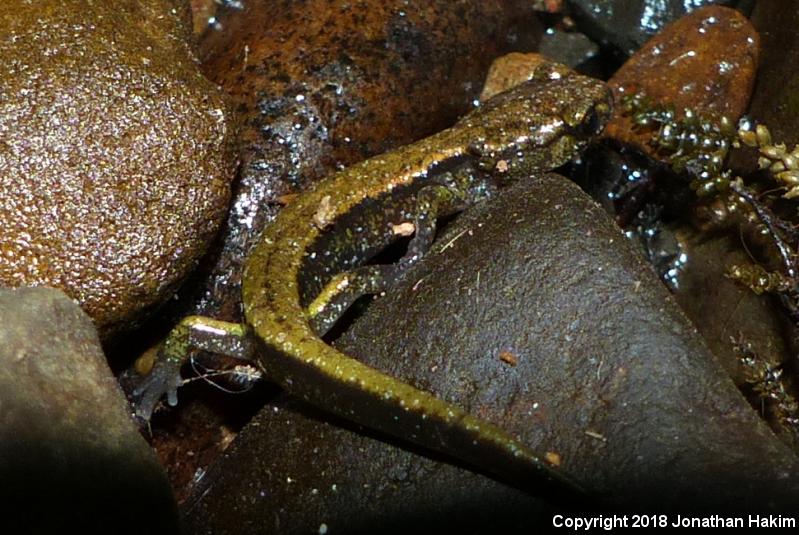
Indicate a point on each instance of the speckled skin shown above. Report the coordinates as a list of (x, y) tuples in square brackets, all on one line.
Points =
[(115, 153), (538, 125), (323, 84)]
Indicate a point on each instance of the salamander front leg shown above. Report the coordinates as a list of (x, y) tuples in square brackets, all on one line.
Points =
[(346, 288), (193, 332), (432, 202)]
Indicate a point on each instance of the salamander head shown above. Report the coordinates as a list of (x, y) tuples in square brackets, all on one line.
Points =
[(540, 124)]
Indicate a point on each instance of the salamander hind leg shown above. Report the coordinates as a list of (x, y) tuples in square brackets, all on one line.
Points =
[(193, 332), (346, 288), (432, 202)]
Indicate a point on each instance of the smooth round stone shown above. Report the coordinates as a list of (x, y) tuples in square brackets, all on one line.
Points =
[(115, 152)]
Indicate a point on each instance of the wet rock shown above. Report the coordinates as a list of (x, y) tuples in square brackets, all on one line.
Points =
[(70, 454), (187, 441), (625, 25), (534, 312), (324, 84), (723, 310), (569, 48), (775, 102), (730, 316), (705, 61), (115, 158), (294, 472)]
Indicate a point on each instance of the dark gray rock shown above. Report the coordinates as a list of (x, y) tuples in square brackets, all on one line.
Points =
[(536, 313), (774, 101), (71, 457), (293, 472), (569, 48), (736, 312), (624, 25)]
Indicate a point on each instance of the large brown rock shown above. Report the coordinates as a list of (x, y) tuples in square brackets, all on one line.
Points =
[(114, 152), (705, 61), (323, 84)]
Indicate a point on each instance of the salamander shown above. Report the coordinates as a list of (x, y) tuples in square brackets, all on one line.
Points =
[(309, 266)]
